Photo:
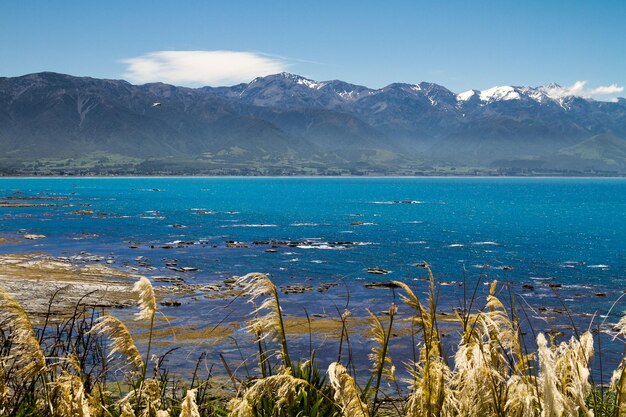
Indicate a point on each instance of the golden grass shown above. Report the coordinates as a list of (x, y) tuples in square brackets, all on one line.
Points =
[(492, 375)]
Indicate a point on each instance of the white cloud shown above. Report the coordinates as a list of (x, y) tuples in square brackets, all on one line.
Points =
[(579, 89), (199, 68), (607, 89)]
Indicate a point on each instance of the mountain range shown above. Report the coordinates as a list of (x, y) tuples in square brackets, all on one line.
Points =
[(286, 124)]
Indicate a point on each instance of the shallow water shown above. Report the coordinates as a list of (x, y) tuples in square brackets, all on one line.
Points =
[(565, 232)]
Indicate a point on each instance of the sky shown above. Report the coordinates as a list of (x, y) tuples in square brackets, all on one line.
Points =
[(462, 45)]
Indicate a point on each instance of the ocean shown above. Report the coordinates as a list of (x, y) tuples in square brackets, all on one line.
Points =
[(550, 242)]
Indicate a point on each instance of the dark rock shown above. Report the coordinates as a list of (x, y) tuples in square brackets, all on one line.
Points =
[(381, 284), (296, 289), (170, 303), (377, 271), (233, 244), (230, 280), (170, 280), (325, 286)]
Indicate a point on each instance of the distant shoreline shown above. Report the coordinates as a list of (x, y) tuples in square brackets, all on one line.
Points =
[(363, 177)]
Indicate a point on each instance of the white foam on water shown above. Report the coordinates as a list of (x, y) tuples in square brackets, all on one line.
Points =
[(322, 246), (251, 225), (398, 202)]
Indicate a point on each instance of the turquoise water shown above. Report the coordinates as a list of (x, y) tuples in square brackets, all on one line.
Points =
[(520, 231)]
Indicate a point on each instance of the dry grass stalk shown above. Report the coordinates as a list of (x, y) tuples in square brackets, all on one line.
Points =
[(619, 388), (380, 358), (491, 377), (97, 402), (553, 401), (522, 399), (189, 408), (126, 410), (564, 376), (121, 340), (431, 381), (477, 381), (489, 354), (71, 400), (431, 388), (346, 393), (4, 390), (572, 370), (424, 319), (422, 315), (281, 388), (268, 321), (25, 355), (146, 299), (147, 400)]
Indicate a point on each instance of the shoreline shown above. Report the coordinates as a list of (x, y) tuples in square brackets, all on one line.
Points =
[(290, 177)]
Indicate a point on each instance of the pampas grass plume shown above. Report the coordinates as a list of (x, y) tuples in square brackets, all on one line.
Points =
[(126, 410), (147, 300), (25, 352), (345, 391), (282, 388), (189, 408), (71, 397), (552, 397), (121, 340)]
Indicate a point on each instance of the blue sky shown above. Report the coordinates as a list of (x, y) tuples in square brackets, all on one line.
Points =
[(459, 44)]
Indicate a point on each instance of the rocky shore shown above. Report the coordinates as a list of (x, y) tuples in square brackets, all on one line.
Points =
[(36, 279)]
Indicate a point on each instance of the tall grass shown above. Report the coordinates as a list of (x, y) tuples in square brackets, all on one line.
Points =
[(90, 366)]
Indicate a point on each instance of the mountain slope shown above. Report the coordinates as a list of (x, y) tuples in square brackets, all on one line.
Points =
[(599, 151), (288, 123)]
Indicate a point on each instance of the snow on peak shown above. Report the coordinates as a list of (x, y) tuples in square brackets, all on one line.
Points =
[(310, 83), (302, 81), (540, 95), (346, 95), (502, 93), (466, 95), (535, 94)]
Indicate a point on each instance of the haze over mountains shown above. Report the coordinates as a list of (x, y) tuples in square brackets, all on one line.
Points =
[(286, 124)]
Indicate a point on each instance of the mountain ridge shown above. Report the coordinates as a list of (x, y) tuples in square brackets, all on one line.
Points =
[(285, 123)]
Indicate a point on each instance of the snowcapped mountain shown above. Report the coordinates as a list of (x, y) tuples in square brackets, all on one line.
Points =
[(540, 95), (288, 119)]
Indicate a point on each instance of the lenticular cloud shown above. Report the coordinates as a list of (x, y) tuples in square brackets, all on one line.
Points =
[(579, 89), (196, 68)]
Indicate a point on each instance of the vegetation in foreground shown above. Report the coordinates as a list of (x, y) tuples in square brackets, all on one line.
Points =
[(89, 366)]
